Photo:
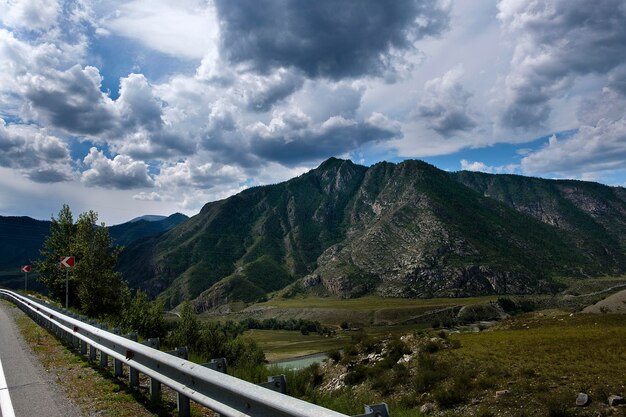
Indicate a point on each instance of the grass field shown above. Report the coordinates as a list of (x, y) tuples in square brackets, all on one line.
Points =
[(282, 344), (545, 360), (373, 302)]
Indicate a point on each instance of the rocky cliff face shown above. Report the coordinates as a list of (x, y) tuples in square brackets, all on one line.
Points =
[(398, 230)]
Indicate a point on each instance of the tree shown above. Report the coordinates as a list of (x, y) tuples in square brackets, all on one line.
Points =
[(94, 285), (187, 332), (99, 285), (142, 316), (57, 244)]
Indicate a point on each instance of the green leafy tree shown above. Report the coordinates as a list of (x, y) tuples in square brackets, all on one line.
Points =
[(187, 332), (94, 285), (143, 316), (57, 244), (99, 285)]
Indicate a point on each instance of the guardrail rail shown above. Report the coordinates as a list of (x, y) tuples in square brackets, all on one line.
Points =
[(205, 384)]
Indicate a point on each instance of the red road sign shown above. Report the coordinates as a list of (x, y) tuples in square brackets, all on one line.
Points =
[(67, 261), (25, 268)]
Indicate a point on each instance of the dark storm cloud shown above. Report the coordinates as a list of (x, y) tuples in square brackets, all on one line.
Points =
[(297, 141), (558, 41), (48, 175), (325, 38), (71, 100), (271, 90)]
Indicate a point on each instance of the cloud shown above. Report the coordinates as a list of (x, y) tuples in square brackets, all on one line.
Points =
[(592, 149), (444, 105), (321, 99), (482, 167), (203, 175), (70, 100), (292, 138), (37, 155), (35, 15), (185, 29), (137, 104), (262, 93), (121, 172), (556, 42), (325, 38)]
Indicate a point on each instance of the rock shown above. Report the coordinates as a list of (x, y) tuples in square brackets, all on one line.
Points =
[(427, 408), (616, 400), (502, 393), (582, 400)]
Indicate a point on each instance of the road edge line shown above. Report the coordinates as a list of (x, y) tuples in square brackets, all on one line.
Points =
[(6, 406)]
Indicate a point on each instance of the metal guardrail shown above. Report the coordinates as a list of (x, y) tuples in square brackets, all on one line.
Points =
[(222, 393)]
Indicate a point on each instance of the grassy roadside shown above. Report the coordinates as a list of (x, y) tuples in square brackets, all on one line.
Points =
[(94, 390)]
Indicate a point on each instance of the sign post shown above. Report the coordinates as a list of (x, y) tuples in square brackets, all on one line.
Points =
[(25, 270), (67, 262)]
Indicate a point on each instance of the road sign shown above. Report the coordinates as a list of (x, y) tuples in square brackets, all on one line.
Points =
[(67, 261), (25, 268)]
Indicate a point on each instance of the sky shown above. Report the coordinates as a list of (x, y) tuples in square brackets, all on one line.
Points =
[(141, 107)]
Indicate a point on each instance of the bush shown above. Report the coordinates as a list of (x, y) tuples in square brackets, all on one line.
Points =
[(244, 352), (429, 373), (356, 375), (143, 316), (335, 355), (383, 383), (507, 305), (450, 397)]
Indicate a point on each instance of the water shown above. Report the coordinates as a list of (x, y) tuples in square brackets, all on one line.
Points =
[(301, 362)]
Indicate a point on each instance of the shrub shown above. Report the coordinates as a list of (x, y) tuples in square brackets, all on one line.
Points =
[(450, 397), (507, 305), (356, 375), (383, 383), (335, 355), (244, 352)]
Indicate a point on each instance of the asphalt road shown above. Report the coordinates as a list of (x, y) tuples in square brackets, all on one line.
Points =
[(33, 391)]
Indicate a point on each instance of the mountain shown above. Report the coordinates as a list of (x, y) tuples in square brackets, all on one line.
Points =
[(149, 218), (144, 226), (21, 238), (400, 230)]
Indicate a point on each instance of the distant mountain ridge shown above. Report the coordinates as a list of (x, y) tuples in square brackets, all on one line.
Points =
[(141, 227), (406, 229), (149, 218), (21, 238)]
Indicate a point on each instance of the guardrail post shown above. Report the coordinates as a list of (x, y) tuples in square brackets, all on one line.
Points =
[(117, 364), (182, 401), (276, 383), (104, 358), (155, 386), (377, 410), (219, 365), (92, 349), (133, 374)]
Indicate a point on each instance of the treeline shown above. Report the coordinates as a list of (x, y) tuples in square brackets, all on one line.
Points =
[(209, 340), (304, 326)]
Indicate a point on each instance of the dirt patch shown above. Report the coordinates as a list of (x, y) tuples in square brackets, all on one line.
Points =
[(615, 303)]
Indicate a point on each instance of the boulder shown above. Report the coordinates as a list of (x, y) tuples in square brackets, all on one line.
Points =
[(616, 400), (582, 399), (427, 408), (502, 393)]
